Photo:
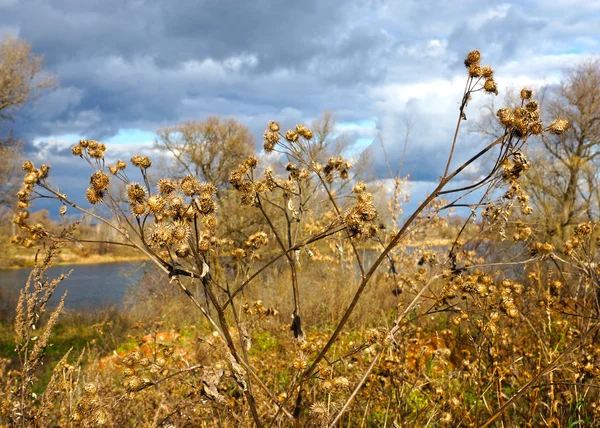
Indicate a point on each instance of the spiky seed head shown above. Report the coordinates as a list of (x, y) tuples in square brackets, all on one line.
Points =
[(505, 116), (156, 203), (166, 186), (136, 192), (473, 57), (204, 245), (209, 222), (77, 150), (474, 70), (176, 201), (30, 178), (558, 126), (251, 162), (526, 94), (146, 162), (520, 127), (183, 251), (257, 240), (28, 166), (359, 187), (114, 169), (93, 196), (487, 72), (121, 164), (99, 180), (137, 160), (96, 154), (189, 185), (536, 128), (138, 208), (268, 146), (300, 129), (490, 86), (43, 171), (180, 231), (207, 189), (205, 205), (583, 229), (532, 106), (160, 235), (291, 136), (238, 253), (274, 126), (133, 383), (319, 410)]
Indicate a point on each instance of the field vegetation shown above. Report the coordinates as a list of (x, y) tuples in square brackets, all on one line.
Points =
[(289, 289)]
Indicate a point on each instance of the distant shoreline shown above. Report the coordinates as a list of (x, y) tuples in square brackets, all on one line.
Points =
[(93, 260)]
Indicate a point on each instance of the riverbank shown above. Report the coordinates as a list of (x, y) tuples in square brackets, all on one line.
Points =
[(74, 259)]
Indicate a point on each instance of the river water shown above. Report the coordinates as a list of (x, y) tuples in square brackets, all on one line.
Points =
[(89, 286)]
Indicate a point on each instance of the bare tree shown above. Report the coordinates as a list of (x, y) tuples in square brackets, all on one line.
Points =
[(19, 76), (9, 163), (563, 179), (573, 152), (209, 149), (20, 83)]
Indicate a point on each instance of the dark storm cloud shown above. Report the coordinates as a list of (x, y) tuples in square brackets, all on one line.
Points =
[(134, 64), (143, 64)]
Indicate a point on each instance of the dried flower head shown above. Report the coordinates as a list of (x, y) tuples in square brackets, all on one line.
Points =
[(166, 186), (490, 86), (505, 116), (472, 58), (359, 187), (291, 136), (583, 230), (183, 251), (474, 70), (487, 72), (205, 204), (180, 231), (156, 203), (536, 128), (558, 126), (257, 240), (136, 192), (28, 166), (138, 208), (209, 222), (99, 180), (190, 185), (93, 195), (526, 94), (274, 126)]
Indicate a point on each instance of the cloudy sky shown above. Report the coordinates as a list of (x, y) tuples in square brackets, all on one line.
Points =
[(127, 67)]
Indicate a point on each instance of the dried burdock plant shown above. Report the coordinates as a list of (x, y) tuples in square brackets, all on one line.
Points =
[(453, 347)]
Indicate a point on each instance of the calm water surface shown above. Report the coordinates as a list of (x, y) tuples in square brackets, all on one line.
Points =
[(89, 286)]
